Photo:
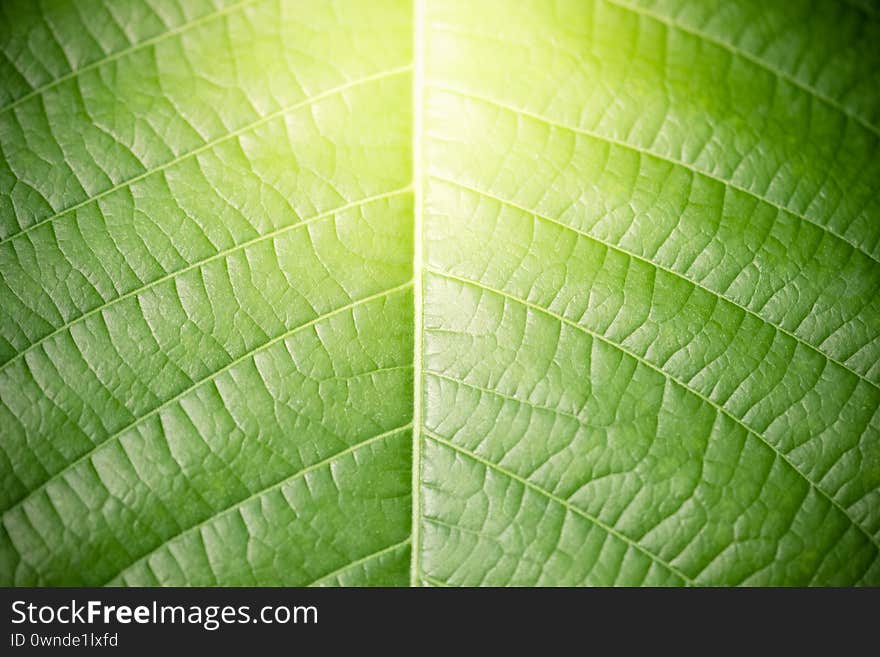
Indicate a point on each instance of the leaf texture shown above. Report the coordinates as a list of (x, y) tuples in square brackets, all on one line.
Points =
[(444, 293)]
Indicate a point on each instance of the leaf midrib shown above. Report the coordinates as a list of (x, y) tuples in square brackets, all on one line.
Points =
[(418, 77)]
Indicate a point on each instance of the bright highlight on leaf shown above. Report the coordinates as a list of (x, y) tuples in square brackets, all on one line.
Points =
[(445, 293)]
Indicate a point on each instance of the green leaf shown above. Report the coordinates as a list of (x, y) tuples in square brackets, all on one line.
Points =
[(453, 293)]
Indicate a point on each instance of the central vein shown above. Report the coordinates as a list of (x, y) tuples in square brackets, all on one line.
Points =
[(418, 184)]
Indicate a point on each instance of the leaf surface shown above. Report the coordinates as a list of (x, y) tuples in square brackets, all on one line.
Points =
[(451, 293)]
